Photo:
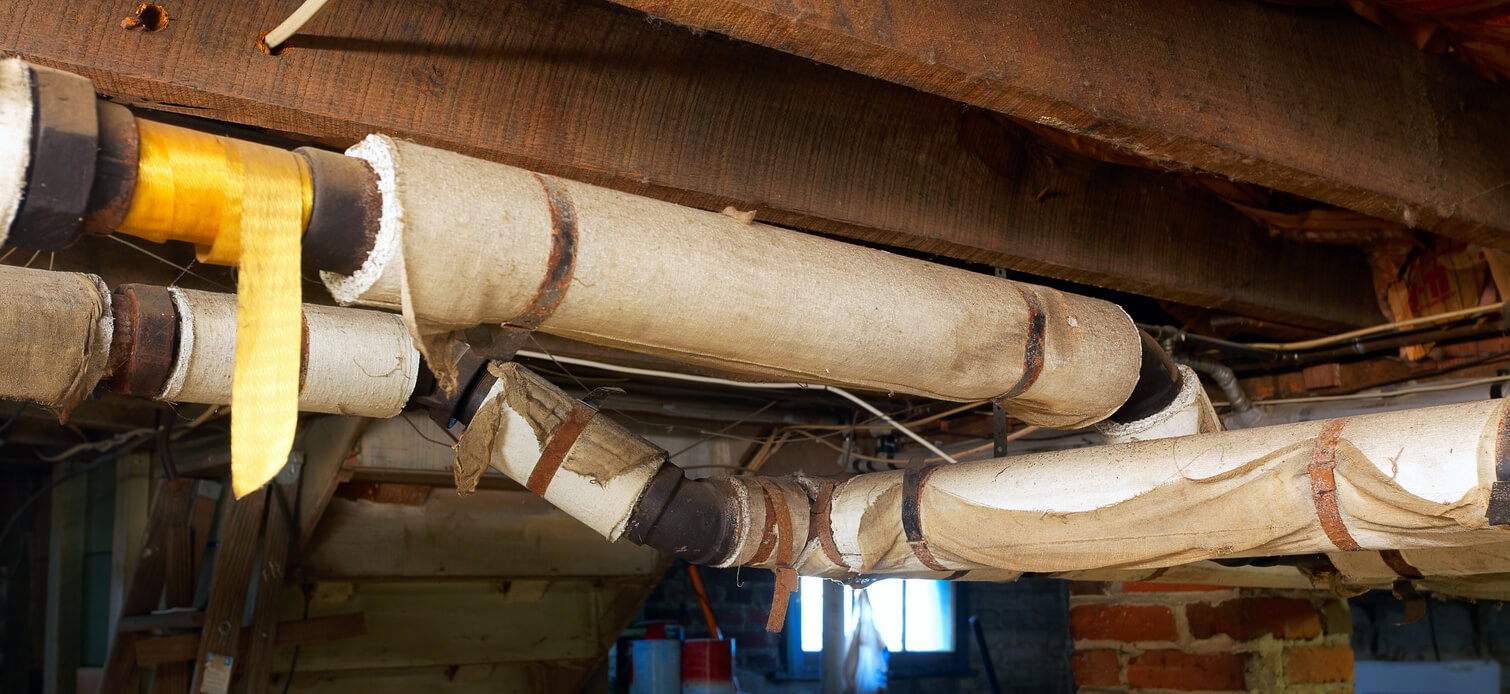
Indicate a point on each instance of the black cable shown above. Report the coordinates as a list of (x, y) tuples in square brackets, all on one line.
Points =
[(11, 421)]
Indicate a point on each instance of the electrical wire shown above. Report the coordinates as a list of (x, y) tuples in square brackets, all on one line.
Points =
[(710, 380), (293, 24), (1381, 328), (12, 419), (1380, 395), (20, 512)]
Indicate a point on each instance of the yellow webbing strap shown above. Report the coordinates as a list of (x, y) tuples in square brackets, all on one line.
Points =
[(241, 204)]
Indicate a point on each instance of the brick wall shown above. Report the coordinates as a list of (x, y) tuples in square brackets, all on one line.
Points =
[(1148, 637)]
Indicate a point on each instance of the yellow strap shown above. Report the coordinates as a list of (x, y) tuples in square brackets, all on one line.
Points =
[(247, 204)]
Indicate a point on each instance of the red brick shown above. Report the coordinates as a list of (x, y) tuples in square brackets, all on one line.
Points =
[(1088, 587), (1187, 671), (1149, 587), (1098, 668), (1249, 618), (1123, 622), (1319, 664)]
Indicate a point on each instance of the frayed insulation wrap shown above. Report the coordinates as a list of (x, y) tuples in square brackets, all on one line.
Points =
[(1408, 480), (16, 118), (1190, 413), (56, 329), (465, 242), (356, 362), (597, 477)]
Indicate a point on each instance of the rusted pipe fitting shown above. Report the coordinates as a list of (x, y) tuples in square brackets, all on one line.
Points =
[(64, 142), (343, 219), (114, 169), (1158, 384), (145, 341), (695, 520)]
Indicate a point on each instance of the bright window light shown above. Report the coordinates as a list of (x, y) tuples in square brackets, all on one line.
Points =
[(913, 615)]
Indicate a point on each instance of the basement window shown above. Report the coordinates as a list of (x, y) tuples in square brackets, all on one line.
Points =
[(922, 623)]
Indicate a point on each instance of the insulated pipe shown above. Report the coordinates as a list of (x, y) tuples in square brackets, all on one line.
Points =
[(65, 331), (354, 362), (56, 329), (1408, 480), (460, 244), (464, 242)]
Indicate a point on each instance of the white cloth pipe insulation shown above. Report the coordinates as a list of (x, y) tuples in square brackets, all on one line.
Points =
[(599, 479), (464, 242), (358, 362), (55, 328), (1415, 480), (15, 138), (1404, 480), (1190, 413)]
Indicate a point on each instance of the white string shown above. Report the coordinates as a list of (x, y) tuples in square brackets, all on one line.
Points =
[(741, 384)]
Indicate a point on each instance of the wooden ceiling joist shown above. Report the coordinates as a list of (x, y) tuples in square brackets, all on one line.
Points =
[(1315, 102), (596, 93)]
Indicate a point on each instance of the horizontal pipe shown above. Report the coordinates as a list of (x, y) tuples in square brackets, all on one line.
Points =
[(1412, 480), (64, 332), (475, 243), (492, 252)]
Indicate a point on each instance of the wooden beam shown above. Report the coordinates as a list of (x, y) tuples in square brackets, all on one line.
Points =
[(1314, 102), (422, 624), (181, 648), (170, 503), (220, 639), (487, 534), (598, 94)]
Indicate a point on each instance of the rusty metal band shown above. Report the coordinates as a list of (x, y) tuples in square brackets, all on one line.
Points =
[(561, 263), (114, 169), (956, 575), (303, 349), (1324, 486), (1498, 510), (786, 577), (1032, 357), (912, 515), (145, 340), (768, 540), (1397, 564), (561, 442), (822, 527)]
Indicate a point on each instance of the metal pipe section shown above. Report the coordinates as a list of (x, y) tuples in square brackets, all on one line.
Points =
[(1412, 480), (465, 247), (65, 332)]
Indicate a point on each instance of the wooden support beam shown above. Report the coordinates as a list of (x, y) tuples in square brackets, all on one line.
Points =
[(182, 648), (1314, 102), (169, 505), (598, 94), (228, 588), (276, 543), (483, 535)]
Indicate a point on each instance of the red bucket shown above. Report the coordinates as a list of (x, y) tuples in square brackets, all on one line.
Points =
[(708, 666)]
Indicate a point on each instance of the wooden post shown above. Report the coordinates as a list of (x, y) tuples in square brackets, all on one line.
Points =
[(276, 543), (228, 587), (170, 503)]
